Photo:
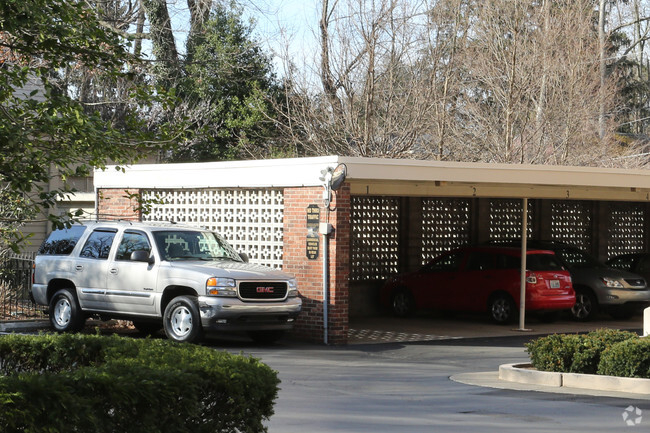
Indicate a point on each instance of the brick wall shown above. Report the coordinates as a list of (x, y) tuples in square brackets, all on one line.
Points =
[(114, 203), (309, 273)]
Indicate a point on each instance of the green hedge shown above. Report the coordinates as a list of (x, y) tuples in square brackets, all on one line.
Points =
[(630, 358), (573, 353), (89, 383)]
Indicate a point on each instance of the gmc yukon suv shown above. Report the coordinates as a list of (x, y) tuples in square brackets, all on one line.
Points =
[(182, 279)]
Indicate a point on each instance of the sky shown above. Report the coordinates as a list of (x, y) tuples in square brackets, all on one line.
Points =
[(291, 23), (278, 24)]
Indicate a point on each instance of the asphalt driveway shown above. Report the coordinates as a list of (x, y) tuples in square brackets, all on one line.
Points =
[(406, 387)]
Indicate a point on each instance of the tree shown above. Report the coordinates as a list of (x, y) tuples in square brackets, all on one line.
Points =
[(534, 92), (224, 82), (49, 130), (496, 81), (379, 93), (226, 90)]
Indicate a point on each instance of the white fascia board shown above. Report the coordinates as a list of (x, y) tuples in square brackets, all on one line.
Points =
[(364, 169), (267, 173), (298, 172)]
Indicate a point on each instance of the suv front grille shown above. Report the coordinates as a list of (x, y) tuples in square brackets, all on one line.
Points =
[(262, 291), (635, 282)]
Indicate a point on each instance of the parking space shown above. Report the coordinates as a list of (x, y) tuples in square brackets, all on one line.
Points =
[(433, 326)]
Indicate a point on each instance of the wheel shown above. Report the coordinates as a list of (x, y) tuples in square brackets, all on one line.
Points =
[(586, 306), (147, 327), (402, 303), (65, 313), (266, 337), (502, 309), (182, 321)]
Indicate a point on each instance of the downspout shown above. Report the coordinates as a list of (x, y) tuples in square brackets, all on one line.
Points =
[(325, 279)]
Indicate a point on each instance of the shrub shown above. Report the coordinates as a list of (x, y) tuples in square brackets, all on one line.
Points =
[(85, 383), (630, 358), (574, 353), (554, 352), (588, 353)]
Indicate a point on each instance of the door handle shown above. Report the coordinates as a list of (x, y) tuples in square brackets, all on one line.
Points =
[(113, 271), (79, 268)]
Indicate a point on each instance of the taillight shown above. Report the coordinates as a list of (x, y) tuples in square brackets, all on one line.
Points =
[(531, 279)]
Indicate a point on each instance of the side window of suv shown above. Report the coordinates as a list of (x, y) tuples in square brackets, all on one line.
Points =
[(98, 244), (132, 241), (61, 242)]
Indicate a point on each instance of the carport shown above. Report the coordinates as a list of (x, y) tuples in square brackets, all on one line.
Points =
[(389, 216)]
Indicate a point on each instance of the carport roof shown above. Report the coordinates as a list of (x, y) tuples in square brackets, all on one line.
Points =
[(395, 177)]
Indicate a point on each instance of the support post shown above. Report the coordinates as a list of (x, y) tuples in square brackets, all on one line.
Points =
[(524, 248)]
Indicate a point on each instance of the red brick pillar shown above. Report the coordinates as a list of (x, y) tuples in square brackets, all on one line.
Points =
[(309, 273), (116, 203)]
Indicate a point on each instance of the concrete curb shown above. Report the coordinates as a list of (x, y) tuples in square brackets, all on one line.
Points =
[(24, 325), (526, 374)]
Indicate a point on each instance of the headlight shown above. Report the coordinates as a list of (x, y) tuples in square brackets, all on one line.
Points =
[(221, 287), (292, 285), (611, 282)]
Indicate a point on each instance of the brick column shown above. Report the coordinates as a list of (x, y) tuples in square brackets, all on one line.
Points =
[(114, 203), (309, 273)]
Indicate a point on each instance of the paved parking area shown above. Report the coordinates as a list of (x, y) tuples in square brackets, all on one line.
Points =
[(434, 327)]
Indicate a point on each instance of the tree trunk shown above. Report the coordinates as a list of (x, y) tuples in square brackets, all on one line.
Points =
[(603, 70), (167, 66)]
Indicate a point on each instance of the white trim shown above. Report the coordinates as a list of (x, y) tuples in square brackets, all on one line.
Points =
[(269, 173), (391, 176)]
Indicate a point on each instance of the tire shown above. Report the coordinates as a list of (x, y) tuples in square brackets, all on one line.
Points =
[(586, 306), (147, 327), (65, 313), (182, 320), (402, 303), (266, 337), (502, 309)]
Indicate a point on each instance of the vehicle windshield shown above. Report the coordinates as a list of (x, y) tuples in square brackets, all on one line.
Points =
[(176, 245), (576, 259)]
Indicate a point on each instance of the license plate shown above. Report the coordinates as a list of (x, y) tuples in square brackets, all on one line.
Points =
[(555, 284)]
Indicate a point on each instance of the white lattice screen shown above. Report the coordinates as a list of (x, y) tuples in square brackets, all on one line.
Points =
[(375, 237), (250, 219), (445, 225), (571, 222), (505, 219), (626, 228)]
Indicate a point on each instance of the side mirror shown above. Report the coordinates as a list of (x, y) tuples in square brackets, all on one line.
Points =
[(244, 257), (142, 256)]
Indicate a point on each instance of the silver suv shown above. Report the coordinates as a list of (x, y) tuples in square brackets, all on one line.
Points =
[(182, 279)]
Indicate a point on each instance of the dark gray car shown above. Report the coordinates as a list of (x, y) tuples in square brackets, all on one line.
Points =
[(598, 287)]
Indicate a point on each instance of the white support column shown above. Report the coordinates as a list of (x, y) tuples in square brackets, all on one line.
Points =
[(524, 247)]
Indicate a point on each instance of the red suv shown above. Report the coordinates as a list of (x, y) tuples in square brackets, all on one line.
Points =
[(482, 278)]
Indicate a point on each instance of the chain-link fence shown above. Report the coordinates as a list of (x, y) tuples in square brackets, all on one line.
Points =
[(15, 289)]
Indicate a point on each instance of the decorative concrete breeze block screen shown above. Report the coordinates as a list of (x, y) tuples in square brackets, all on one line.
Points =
[(375, 237), (505, 219), (250, 219), (571, 221), (445, 225), (626, 228)]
